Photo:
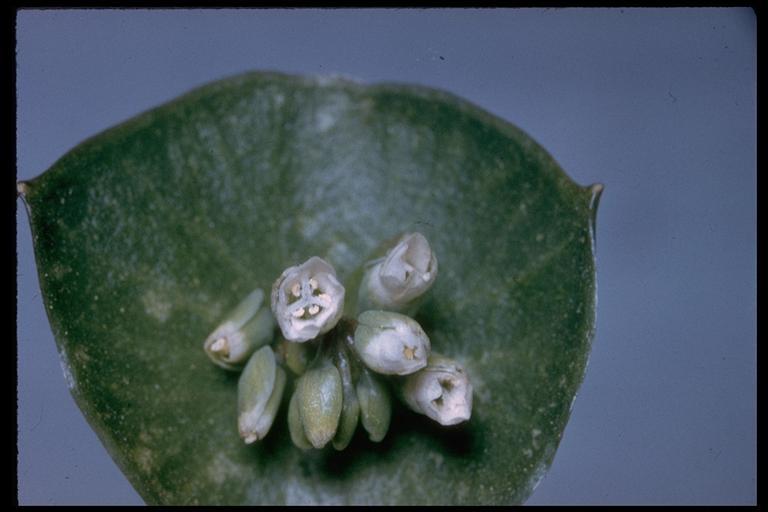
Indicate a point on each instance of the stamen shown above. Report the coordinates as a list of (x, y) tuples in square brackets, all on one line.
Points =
[(409, 352), (220, 345), (313, 309), (296, 290)]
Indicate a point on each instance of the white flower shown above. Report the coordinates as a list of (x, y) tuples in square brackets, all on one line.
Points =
[(391, 343), (307, 300), (441, 391), (247, 327), (407, 271)]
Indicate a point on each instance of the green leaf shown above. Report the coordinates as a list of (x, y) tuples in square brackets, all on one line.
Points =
[(147, 234)]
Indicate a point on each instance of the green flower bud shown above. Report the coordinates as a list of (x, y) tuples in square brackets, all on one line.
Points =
[(248, 327), (391, 343), (350, 409), (295, 426), (375, 405), (441, 391), (264, 423), (307, 300), (396, 281), (320, 402), (296, 356), (259, 391)]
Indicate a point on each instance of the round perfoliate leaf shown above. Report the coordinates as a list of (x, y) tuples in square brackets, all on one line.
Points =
[(147, 234)]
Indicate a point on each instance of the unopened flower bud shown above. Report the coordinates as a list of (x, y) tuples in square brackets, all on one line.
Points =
[(259, 392), (391, 343), (248, 327), (295, 427), (441, 391), (375, 405), (319, 401), (307, 300), (296, 356), (397, 280), (350, 408)]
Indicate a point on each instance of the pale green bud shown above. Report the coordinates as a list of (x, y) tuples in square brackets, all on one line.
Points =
[(375, 405), (307, 300), (350, 409), (396, 281), (391, 343), (267, 418), (296, 356), (295, 427), (259, 392), (441, 391), (248, 327), (320, 402)]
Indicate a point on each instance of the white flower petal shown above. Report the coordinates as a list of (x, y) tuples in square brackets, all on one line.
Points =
[(442, 391), (307, 300)]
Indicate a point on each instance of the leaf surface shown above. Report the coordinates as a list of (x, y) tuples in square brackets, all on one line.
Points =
[(147, 234)]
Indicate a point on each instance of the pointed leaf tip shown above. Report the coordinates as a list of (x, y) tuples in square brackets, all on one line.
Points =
[(597, 191), (22, 188)]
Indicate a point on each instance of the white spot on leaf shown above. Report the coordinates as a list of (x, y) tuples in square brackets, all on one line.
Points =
[(156, 306), (64, 361), (143, 457), (222, 468)]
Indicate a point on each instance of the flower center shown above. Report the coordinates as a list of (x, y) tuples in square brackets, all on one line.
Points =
[(308, 300)]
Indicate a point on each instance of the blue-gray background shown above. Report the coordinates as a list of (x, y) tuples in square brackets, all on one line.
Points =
[(659, 105)]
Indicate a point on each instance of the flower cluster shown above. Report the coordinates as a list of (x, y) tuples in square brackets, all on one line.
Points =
[(346, 369)]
